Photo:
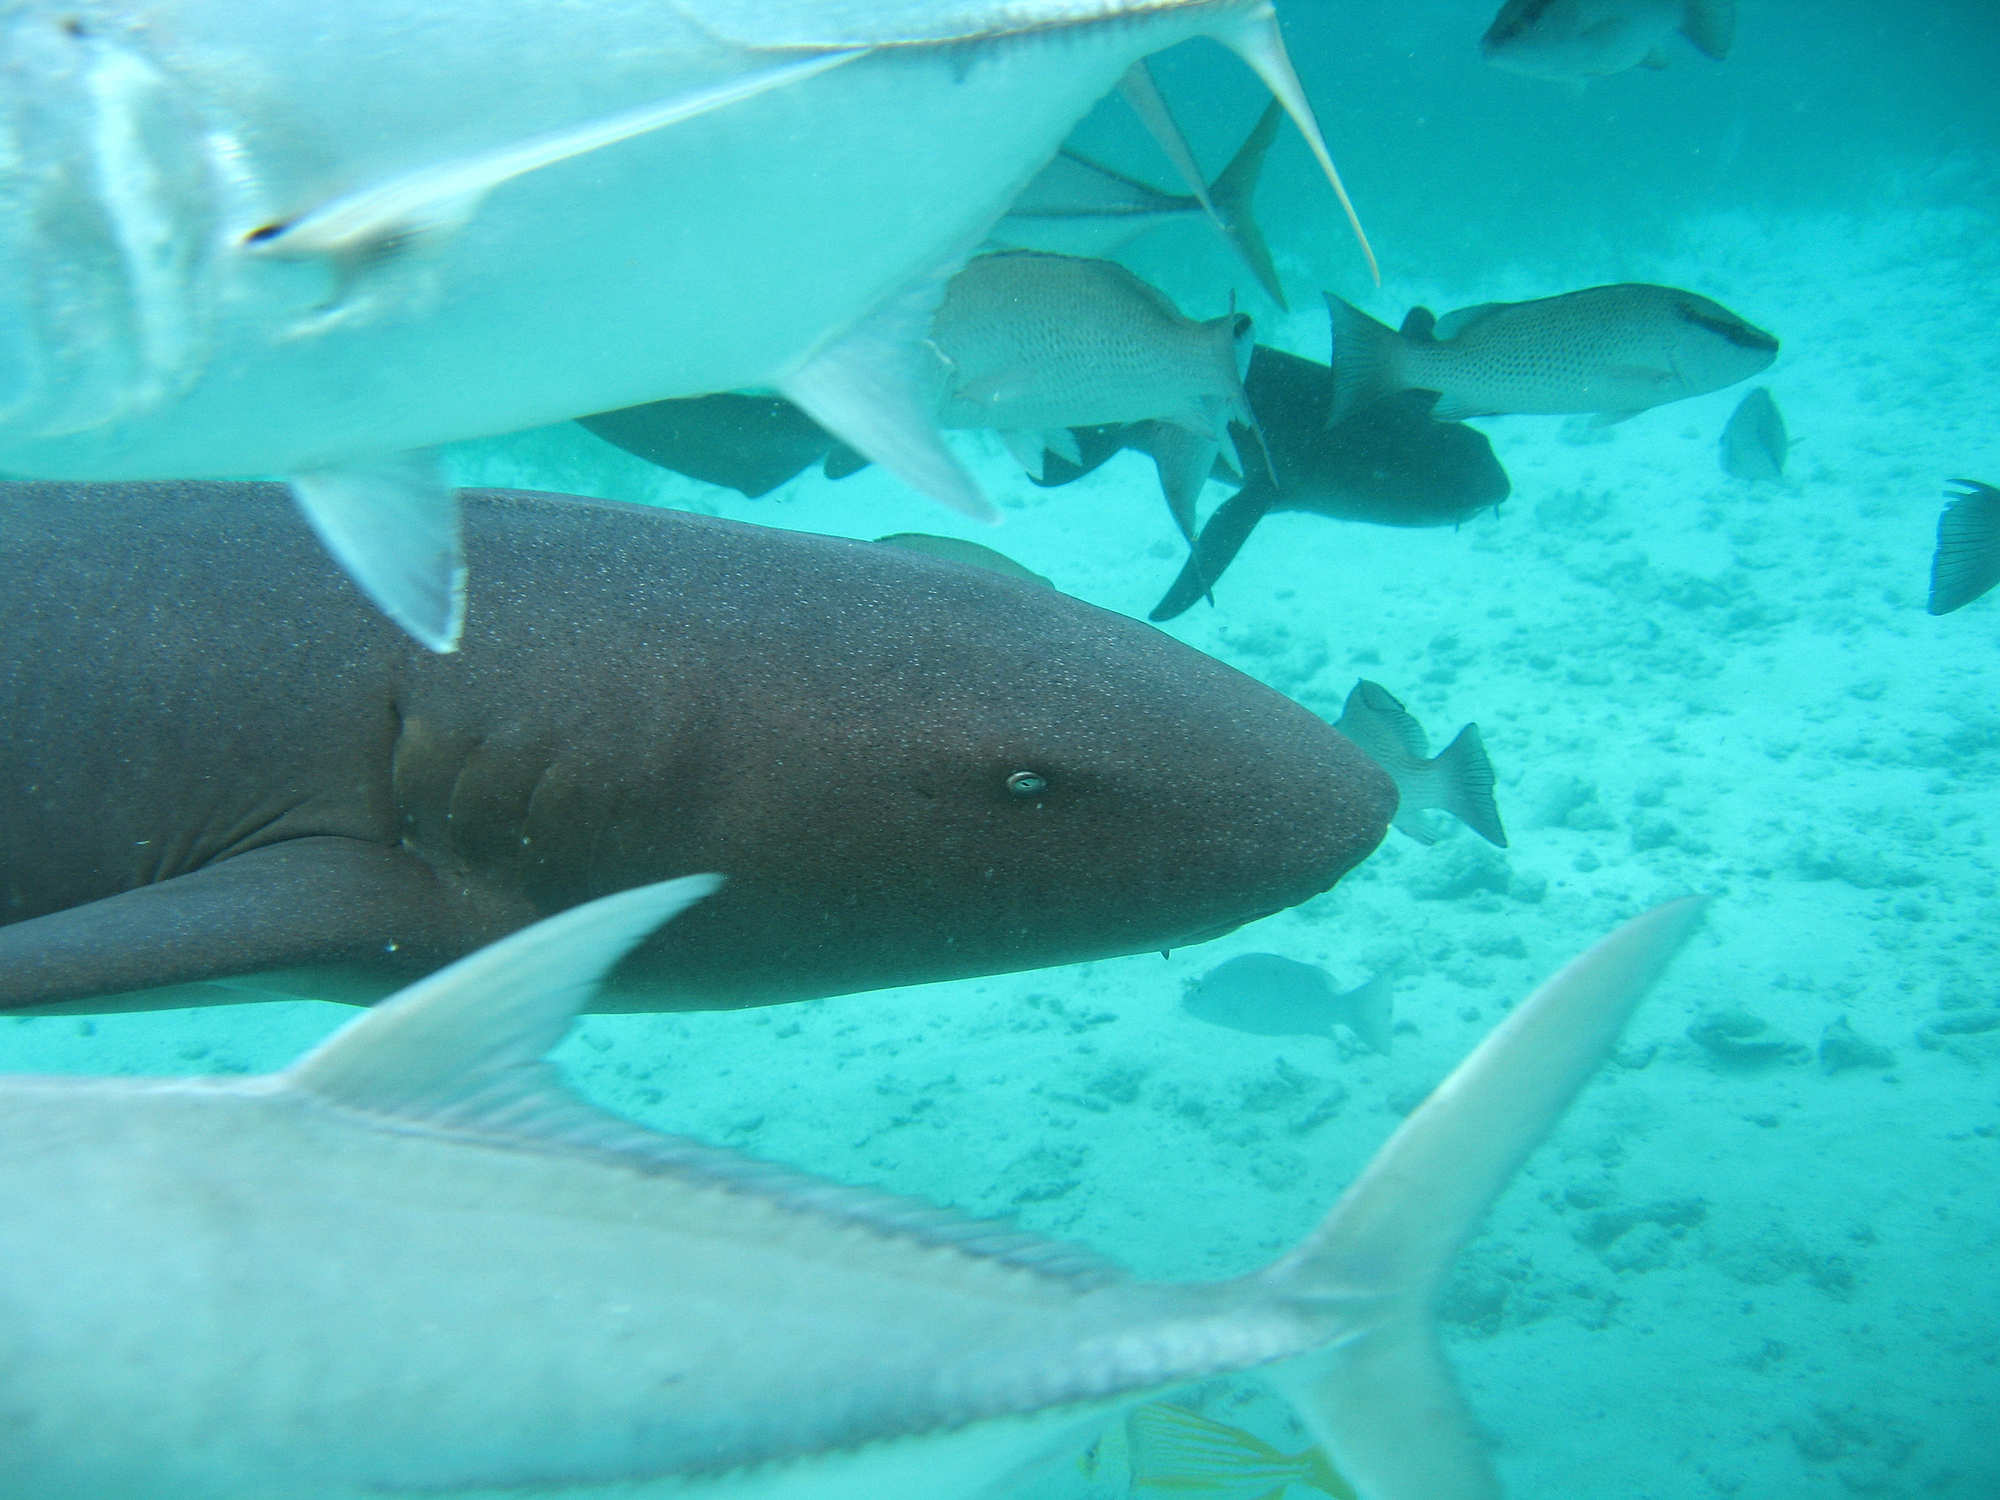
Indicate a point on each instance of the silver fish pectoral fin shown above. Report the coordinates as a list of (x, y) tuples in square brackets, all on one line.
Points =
[(878, 389), (393, 523), (375, 221), (1383, 1399)]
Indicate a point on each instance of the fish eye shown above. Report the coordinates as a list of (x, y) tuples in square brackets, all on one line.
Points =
[(1027, 784)]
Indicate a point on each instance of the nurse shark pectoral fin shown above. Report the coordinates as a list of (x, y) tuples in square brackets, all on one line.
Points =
[(393, 523), (292, 904)]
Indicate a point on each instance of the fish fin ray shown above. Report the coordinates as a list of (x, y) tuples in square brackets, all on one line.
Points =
[(1384, 1402), (1464, 780), (1967, 561), (1063, 444), (1257, 40), (1367, 359), (1184, 459), (1232, 193), (1026, 449), (394, 525), (443, 197), (878, 388)]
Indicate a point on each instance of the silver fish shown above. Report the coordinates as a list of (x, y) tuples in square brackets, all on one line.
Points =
[(414, 1263), (1035, 345), (1076, 206), (1457, 780), (1967, 561), (226, 252), (1754, 443), (1613, 350), (1267, 994), (1570, 41)]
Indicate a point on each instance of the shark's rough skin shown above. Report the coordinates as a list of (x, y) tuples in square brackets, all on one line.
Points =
[(219, 761)]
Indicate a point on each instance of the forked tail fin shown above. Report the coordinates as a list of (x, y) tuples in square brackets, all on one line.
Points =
[(1383, 1401), (1232, 191)]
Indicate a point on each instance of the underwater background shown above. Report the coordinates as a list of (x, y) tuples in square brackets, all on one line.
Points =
[(1747, 1264)]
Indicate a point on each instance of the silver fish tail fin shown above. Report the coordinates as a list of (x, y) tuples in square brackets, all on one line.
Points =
[(1462, 785), (1367, 360), (1231, 194), (1383, 1401), (1967, 561), (1369, 1011), (1257, 40)]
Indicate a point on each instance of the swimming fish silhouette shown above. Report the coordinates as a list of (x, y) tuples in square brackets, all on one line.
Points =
[(1571, 41), (1754, 443), (1267, 994)]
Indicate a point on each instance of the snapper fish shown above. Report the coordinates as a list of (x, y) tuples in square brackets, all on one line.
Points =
[(223, 252), (1034, 345), (414, 1262), (1572, 41), (1458, 779), (1267, 994), (1612, 350)]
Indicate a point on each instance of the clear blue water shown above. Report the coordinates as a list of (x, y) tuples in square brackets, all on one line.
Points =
[(1725, 1276)]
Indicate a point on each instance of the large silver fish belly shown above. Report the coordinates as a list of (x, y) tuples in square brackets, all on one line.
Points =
[(145, 333)]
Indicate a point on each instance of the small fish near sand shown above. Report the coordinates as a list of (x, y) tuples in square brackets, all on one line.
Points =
[(1754, 443), (415, 1262), (1038, 344), (1610, 350), (1162, 1448), (1967, 561), (1267, 994), (1573, 41), (1077, 206), (1458, 779)]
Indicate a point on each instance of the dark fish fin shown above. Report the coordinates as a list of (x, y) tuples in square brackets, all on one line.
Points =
[(1754, 443), (1383, 1400), (1711, 26), (1457, 409), (842, 461), (1220, 540), (1967, 562), (1419, 326), (1231, 193), (877, 390), (1369, 1011), (293, 904), (1464, 780), (1375, 719), (1184, 460), (750, 444), (393, 524), (1365, 359)]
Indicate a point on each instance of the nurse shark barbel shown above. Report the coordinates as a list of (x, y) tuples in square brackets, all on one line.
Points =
[(226, 252), (413, 1263), (222, 763)]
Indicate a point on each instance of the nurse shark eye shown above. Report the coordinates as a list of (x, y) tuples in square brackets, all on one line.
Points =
[(1027, 784)]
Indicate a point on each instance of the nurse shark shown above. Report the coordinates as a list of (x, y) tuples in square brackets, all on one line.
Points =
[(263, 239), (415, 1263), (221, 765)]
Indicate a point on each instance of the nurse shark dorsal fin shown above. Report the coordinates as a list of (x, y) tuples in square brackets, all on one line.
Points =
[(1383, 1401), (360, 225), (393, 523), (878, 388), (462, 1053)]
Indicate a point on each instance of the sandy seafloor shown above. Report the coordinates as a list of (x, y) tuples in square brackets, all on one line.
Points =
[(1766, 1281)]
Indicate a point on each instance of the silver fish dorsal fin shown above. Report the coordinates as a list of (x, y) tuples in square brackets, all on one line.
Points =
[(460, 1053)]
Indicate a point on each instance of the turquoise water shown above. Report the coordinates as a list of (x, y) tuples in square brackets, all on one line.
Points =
[(1726, 1275)]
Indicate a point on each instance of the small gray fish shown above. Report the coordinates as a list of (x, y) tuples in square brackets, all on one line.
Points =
[(1571, 41), (1076, 206), (1457, 780), (1267, 994), (1967, 562), (1037, 344), (1754, 444), (1613, 350)]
